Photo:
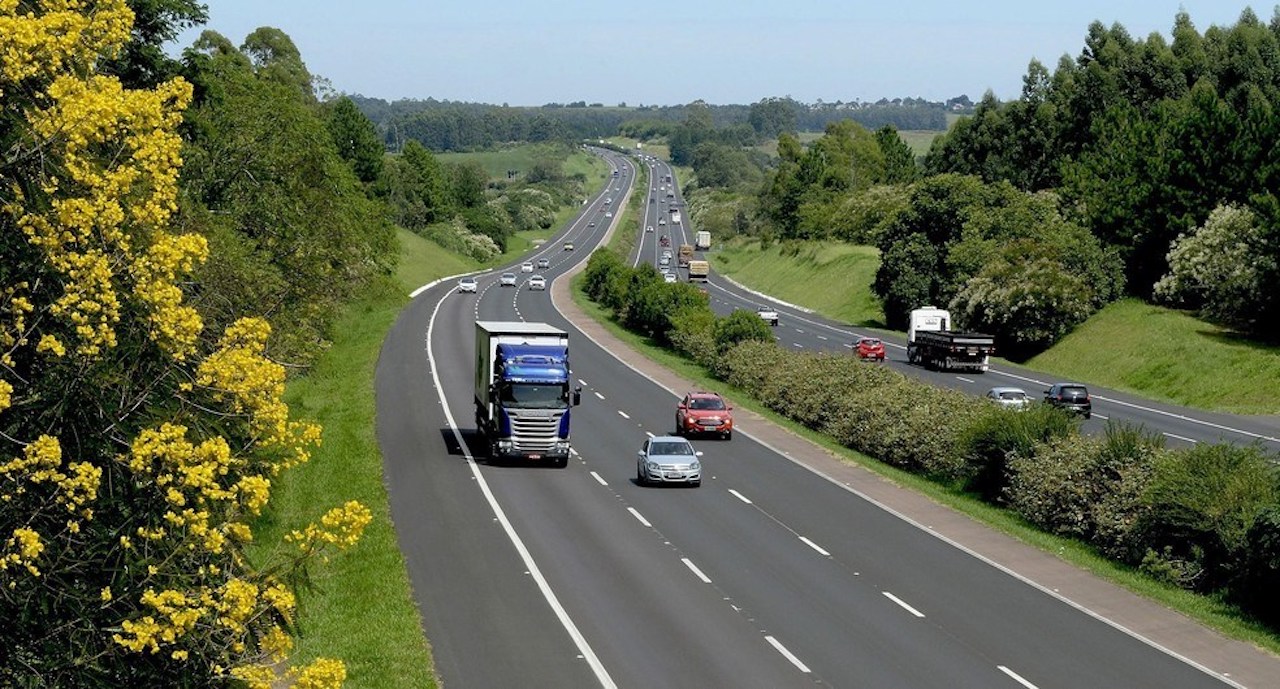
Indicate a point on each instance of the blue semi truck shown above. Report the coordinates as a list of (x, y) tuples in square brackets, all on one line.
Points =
[(523, 391)]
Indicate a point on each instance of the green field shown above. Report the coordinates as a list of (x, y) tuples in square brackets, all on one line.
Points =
[(847, 270), (519, 158), (919, 139), (1148, 350)]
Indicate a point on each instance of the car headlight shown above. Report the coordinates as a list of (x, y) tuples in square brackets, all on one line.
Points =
[(653, 466), (695, 465)]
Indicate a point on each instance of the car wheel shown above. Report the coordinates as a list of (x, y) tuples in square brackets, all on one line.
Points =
[(640, 476), (1088, 415)]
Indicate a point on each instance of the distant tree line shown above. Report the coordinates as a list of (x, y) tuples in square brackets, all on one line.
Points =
[(457, 126)]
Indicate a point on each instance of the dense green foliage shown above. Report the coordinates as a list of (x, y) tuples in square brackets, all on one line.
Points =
[(1144, 139)]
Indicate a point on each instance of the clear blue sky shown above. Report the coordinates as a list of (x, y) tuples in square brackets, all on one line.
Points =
[(665, 53)]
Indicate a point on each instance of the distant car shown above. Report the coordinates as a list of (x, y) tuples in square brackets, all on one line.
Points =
[(768, 315), (537, 282), (526, 267), (609, 200), (1070, 396), (664, 261), (869, 348), (666, 253), (668, 459), (1010, 398), (649, 228), (669, 277), (662, 221), (608, 215), (467, 285), (652, 200), (568, 246), (544, 263), (704, 412), (507, 280)]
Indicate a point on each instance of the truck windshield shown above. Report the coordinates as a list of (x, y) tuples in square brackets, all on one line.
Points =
[(533, 396)]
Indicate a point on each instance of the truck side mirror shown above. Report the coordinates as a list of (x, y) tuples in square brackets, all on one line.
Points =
[(577, 396)]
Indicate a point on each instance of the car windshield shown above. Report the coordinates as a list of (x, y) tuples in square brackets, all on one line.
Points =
[(533, 396), (1074, 392), (671, 448), (871, 343), (1013, 395), (706, 403)]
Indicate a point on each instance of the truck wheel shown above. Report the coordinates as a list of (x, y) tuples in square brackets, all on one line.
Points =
[(562, 462)]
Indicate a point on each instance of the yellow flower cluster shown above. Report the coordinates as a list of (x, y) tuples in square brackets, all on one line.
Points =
[(13, 329), (322, 673), (41, 462), (6, 395), (83, 236), (340, 526), (195, 481), (240, 374), (23, 547), (62, 35)]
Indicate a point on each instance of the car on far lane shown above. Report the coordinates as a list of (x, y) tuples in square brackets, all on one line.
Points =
[(668, 459), (507, 280), (669, 277), (1070, 396), (704, 412), (526, 267), (1009, 398), (869, 348), (467, 284), (768, 314), (649, 228), (662, 221), (544, 263), (609, 214), (568, 246), (537, 282)]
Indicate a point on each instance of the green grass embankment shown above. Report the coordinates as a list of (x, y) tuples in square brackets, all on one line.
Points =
[(361, 608), (833, 279)]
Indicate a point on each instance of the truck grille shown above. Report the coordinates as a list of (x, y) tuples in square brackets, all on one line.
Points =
[(534, 430)]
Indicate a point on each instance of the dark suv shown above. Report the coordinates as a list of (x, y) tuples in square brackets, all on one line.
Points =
[(1070, 396)]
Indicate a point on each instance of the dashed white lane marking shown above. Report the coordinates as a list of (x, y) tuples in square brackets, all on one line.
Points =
[(822, 337), (649, 433), (1100, 416), (582, 382), (967, 380), (797, 345), (599, 479), (777, 645), (1179, 437), (623, 414), (902, 603), (1016, 677), (815, 546), (599, 395), (696, 572), (740, 496), (640, 517)]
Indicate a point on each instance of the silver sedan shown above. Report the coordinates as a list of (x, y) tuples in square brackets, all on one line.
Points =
[(668, 459)]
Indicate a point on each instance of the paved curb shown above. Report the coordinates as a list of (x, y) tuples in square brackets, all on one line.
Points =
[(1237, 663)]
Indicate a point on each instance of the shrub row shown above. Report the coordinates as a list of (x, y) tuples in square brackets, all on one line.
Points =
[(1205, 518)]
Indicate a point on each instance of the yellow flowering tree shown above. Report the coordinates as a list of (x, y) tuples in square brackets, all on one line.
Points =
[(134, 451)]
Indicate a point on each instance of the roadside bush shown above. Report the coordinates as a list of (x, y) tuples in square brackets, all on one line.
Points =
[(646, 301), (606, 279), (998, 434), (1261, 576), (1055, 487), (1199, 508), (692, 334), (741, 326)]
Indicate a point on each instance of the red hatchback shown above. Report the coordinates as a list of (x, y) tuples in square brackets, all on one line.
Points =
[(869, 348), (704, 412)]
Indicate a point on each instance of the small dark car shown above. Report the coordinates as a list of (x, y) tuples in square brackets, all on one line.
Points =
[(1070, 396)]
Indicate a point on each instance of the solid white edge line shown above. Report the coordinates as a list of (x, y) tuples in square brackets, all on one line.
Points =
[(599, 479), (602, 675), (815, 546), (740, 496), (696, 572), (639, 517), (777, 645), (1016, 677), (902, 603)]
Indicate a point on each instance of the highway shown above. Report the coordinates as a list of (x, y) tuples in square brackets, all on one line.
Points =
[(769, 575)]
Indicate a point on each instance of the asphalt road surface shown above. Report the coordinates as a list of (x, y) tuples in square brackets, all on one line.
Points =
[(769, 575)]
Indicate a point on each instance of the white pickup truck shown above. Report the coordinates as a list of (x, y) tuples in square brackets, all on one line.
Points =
[(768, 315)]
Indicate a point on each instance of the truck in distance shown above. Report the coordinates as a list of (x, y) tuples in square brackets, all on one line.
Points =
[(699, 271), (932, 344), (522, 391), (702, 240), (686, 255)]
